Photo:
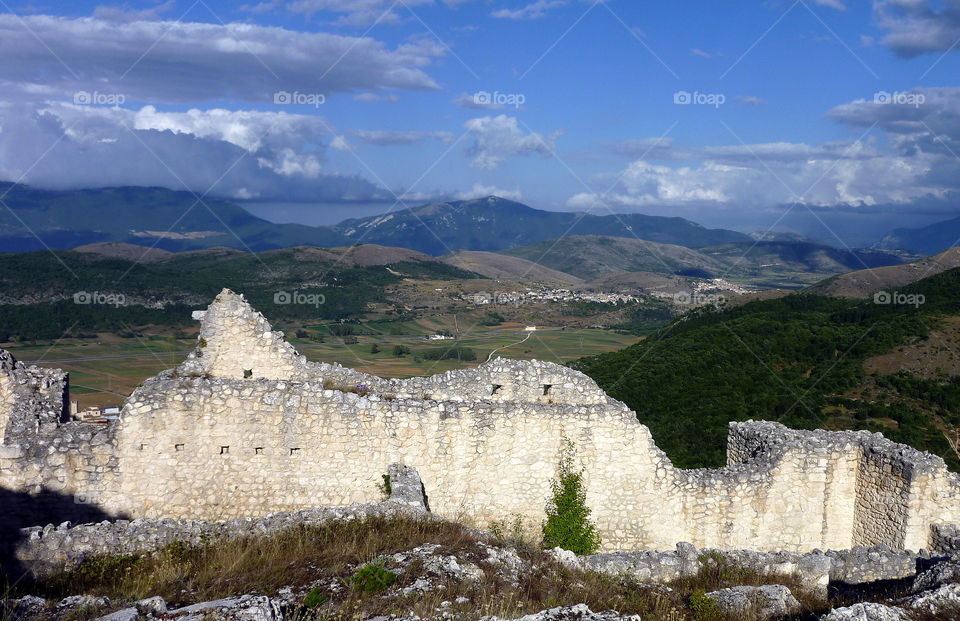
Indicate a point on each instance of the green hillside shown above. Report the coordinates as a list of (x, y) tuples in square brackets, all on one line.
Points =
[(37, 288), (797, 359)]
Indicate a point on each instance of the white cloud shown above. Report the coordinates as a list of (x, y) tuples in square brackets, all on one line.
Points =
[(917, 27), (481, 191), (698, 52), (534, 10), (242, 153), (166, 61), (915, 161), (498, 137), (749, 100), (397, 138)]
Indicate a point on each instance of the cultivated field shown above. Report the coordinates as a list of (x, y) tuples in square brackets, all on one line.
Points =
[(105, 370)]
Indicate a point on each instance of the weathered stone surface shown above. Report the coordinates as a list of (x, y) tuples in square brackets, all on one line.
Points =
[(50, 549), (946, 597), (580, 612), (938, 575), (246, 426), (866, 612), (765, 602)]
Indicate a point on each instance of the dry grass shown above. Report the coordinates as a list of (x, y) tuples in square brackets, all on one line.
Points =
[(309, 556)]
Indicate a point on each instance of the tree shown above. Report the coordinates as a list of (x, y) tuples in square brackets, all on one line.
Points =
[(400, 351), (568, 524), (374, 349)]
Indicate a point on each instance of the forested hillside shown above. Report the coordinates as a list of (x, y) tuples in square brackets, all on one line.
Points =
[(799, 360)]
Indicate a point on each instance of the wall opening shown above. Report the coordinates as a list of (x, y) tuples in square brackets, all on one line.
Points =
[(224, 450), (294, 452), (546, 389), (247, 373), (495, 389), (178, 447), (258, 450)]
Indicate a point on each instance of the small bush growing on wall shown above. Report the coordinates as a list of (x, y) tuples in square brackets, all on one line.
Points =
[(568, 522), (372, 578), (385, 488)]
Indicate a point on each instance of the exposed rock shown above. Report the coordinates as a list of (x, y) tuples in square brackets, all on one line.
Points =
[(125, 614), (773, 600), (866, 612), (940, 574), (945, 597), (580, 612)]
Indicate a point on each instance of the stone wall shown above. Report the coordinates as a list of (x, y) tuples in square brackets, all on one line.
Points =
[(246, 427)]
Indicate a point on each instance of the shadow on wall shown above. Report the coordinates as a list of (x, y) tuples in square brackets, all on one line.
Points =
[(21, 510)]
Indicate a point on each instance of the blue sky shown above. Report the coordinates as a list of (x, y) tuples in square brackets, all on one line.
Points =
[(792, 105)]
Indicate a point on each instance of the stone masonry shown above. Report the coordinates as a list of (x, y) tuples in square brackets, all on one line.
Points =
[(246, 426)]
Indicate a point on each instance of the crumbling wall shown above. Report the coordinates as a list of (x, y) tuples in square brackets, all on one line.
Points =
[(208, 440)]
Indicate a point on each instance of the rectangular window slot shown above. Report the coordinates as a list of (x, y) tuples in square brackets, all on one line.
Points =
[(178, 447), (258, 450), (247, 373), (143, 447), (546, 389), (294, 452), (224, 450), (495, 389)]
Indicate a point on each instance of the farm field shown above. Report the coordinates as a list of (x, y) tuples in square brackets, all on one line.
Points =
[(105, 370)]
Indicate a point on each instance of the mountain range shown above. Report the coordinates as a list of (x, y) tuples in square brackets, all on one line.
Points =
[(156, 217)]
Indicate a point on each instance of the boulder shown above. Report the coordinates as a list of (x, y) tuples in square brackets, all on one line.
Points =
[(866, 612), (936, 576), (580, 612), (765, 602), (944, 598)]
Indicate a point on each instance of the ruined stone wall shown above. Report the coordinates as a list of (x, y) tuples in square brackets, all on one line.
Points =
[(246, 427)]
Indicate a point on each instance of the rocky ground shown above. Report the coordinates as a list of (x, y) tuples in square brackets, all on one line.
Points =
[(399, 568)]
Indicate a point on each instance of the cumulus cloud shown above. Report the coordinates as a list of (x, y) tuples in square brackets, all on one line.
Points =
[(916, 160), (497, 137), (168, 61), (916, 27), (238, 154), (392, 138)]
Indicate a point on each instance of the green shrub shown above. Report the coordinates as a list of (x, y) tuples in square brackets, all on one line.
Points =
[(385, 488), (372, 578), (704, 608), (568, 522), (314, 598)]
